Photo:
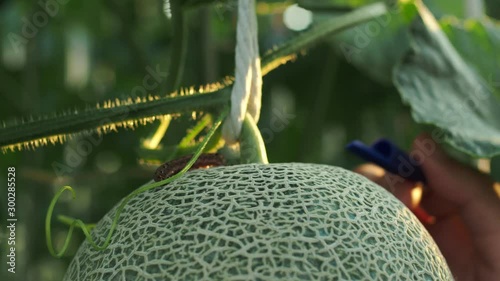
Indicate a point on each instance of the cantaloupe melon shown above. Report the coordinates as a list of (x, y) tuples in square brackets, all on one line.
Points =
[(263, 222)]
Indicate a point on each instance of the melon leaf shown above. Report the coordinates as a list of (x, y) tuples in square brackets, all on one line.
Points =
[(376, 46), (478, 42), (444, 91)]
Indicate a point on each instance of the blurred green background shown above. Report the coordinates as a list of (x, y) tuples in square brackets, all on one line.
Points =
[(90, 51)]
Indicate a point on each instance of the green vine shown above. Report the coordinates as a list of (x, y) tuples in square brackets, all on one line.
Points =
[(188, 144), (195, 131), (86, 229)]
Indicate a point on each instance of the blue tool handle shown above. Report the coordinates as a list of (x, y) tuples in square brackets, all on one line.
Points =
[(388, 156)]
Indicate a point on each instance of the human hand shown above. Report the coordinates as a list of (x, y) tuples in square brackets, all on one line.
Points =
[(462, 201)]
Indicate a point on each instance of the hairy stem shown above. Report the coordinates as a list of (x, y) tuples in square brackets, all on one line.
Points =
[(48, 129)]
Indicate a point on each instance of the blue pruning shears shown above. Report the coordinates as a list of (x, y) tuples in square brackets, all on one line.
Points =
[(388, 156)]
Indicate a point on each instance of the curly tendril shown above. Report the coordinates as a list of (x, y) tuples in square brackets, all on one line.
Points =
[(86, 228)]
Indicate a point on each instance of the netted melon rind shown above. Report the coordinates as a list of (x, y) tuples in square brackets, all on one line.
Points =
[(263, 222)]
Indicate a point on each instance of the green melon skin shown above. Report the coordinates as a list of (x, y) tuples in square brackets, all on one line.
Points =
[(263, 222)]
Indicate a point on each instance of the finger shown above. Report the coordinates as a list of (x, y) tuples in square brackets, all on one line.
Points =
[(371, 172), (400, 188), (460, 187)]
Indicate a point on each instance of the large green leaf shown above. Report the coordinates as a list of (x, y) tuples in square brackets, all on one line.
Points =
[(376, 46), (478, 42), (444, 91)]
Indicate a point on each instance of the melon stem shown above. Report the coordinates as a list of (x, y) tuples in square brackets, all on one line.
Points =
[(252, 147)]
